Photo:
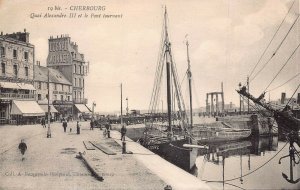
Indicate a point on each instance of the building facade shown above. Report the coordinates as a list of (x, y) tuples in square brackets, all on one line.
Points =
[(16, 79), (64, 56), (60, 91)]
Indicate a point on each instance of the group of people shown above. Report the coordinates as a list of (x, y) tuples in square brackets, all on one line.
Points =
[(23, 147), (65, 125)]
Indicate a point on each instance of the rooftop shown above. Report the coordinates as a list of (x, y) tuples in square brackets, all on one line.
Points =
[(55, 76)]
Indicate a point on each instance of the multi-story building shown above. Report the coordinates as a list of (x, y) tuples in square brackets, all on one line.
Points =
[(17, 94), (60, 91), (64, 56)]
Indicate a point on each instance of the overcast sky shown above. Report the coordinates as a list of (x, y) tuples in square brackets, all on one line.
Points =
[(226, 39)]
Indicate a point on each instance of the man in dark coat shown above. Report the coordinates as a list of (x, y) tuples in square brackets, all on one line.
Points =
[(65, 125), (43, 122), (22, 148), (92, 125), (78, 128), (123, 132)]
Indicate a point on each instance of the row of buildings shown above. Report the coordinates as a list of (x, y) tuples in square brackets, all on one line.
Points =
[(24, 82)]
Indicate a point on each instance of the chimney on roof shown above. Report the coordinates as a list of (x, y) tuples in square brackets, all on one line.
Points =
[(21, 36)]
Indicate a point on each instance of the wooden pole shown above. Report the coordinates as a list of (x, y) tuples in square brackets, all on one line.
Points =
[(121, 106), (48, 85), (190, 83)]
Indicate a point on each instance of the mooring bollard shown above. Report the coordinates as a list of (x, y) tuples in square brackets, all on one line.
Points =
[(123, 147)]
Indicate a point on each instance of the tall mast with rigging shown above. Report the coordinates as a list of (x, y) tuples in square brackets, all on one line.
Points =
[(167, 57), (189, 73)]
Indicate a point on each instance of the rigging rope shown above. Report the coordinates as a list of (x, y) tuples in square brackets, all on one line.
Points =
[(158, 67), (284, 83), (271, 39), (276, 49), (197, 97), (253, 170), (282, 67)]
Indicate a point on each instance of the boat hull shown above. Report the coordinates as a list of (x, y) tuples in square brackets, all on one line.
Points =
[(224, 136), (173, 152)]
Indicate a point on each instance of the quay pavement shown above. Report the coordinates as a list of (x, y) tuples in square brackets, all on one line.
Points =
[(51, 163)]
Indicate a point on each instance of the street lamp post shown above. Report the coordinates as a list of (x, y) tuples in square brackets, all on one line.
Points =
[(49, 129), (93, 109), (127, 106)]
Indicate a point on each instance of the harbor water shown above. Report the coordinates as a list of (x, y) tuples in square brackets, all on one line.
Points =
[(245, 164), (252, 164)]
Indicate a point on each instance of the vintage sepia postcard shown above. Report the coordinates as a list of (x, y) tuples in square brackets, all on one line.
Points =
[(136, 94)]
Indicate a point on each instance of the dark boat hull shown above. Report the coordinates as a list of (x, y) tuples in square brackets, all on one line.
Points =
[(173, 152)]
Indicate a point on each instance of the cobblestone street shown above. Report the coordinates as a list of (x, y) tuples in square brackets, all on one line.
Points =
[(49, 162)]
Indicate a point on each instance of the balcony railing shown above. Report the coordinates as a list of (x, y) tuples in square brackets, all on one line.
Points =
[(62, 102), (80, 101), (16, 96)]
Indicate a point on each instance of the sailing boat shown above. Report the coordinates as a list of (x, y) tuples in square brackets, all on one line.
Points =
[(167, 140), (224, 132)]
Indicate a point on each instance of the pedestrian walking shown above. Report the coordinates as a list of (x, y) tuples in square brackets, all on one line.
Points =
[(65, 125), (91, 125), (104, 132), (43, 122), (107, 129), (22, 148), (78, 128), (123, 132)]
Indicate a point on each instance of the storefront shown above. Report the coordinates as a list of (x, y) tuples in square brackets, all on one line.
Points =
[(64, 108), (26, 112), (53, 112), (10, 92), (4, 111), (80, 109)]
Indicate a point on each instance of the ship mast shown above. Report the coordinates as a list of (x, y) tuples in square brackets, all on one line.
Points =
[(167, 57), (189, 73)]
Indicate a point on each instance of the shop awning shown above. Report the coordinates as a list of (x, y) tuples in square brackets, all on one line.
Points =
[(11, 85), (14, 85), (82, 108), (26, 86), (45, 108), (26, 108)]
